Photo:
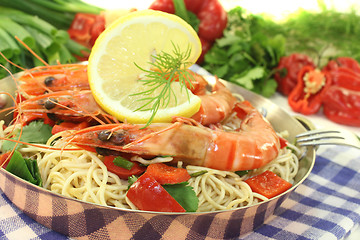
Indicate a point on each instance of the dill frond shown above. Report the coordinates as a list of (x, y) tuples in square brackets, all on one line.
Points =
[(165, 69)]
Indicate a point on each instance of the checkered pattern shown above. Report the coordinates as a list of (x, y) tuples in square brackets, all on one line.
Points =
[(325, 206), (15, 224)]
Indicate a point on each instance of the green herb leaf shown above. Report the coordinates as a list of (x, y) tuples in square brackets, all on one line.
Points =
[(246, 80), (316, 33), (35, 132), (247, 52), (24, 168), (131, 180), (270, 87), (184, 195)]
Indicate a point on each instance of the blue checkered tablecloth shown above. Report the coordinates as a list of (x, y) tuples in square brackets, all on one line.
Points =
[(14, 224), (325, 206)]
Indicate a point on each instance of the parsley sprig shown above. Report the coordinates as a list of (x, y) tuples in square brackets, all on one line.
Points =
[(34, 132), (165, 69)]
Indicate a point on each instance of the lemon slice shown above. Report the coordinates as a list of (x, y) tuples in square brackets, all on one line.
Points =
[(135, 39)]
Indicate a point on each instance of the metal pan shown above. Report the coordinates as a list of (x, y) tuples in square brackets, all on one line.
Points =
[(83, 220)]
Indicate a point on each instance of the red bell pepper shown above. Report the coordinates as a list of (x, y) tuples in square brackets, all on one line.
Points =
[(97, 28), (4, 159), (344, 62), (86, 27), (283, 142), (123, 173), (345, 77), (69, 126), (28, 117), (147, 194), (268, 184), (211, 14), (306, 97), (165, 174), (288, 69), (342, 106), (342, 100), (213, 19)]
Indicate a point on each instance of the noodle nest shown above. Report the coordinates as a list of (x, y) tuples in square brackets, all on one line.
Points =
[(82, 175)]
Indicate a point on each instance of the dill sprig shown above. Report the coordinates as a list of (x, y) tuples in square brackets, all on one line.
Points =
[(165, 69)]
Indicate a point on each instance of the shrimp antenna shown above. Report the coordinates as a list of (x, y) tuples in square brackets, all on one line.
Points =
[(31, 51), (12, 63)]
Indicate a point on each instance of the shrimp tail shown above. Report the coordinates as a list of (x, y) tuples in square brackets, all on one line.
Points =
[(253, 145), (215, 107)]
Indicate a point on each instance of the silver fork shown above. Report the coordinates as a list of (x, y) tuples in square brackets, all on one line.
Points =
[(328, 137)]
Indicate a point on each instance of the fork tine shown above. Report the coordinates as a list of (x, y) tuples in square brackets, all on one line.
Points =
[(317, 131), (327, 137), (318, 136), (322, 142)]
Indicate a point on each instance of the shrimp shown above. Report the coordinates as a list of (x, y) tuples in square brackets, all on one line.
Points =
[(72, 106), (40, 80), (251, 146), (49, 78), (216, 105)]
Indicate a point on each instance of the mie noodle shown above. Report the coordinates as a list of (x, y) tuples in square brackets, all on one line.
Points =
[(82, 175)]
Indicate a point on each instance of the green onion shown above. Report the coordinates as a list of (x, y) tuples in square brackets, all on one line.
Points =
[(65, 55), (6, 45), (58, 13), (15, 29), (25, 19), (74, 6), (58, 19), (122, 162), (76, 48), (242, 173), (42, 25), (34, 60), (199, 173), (44, 41)]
